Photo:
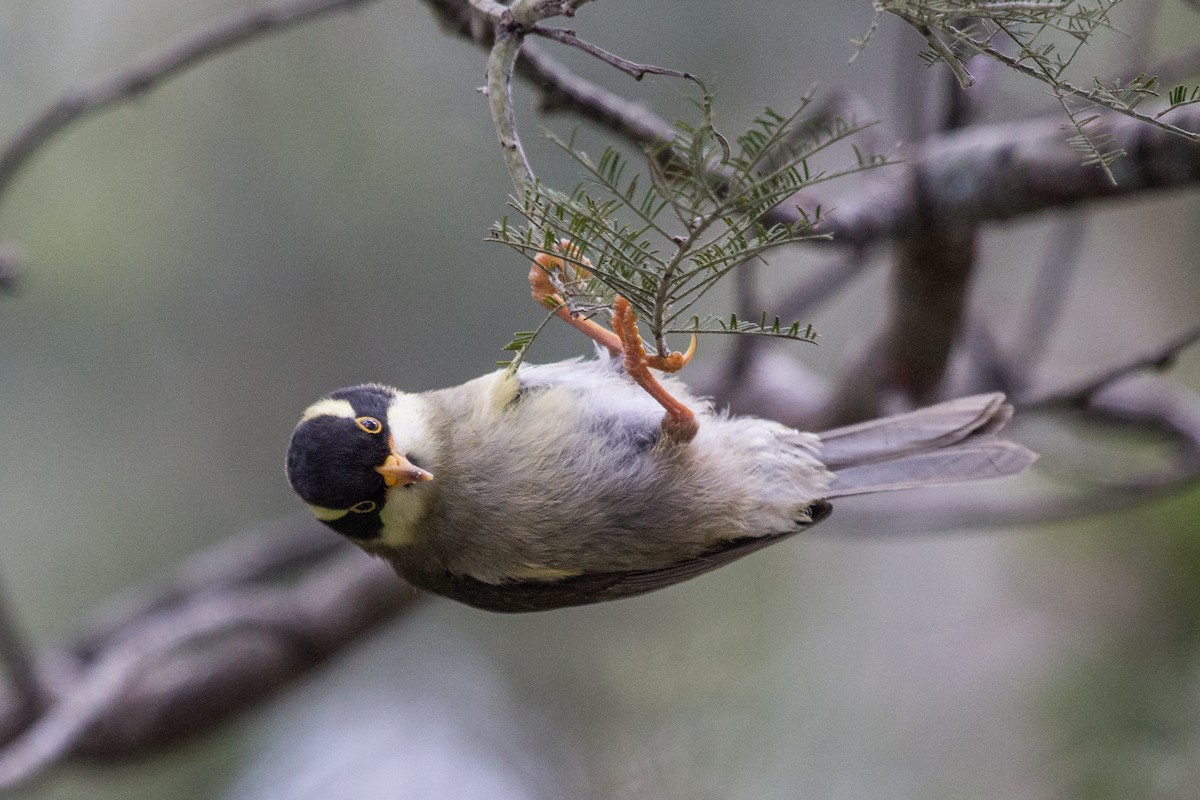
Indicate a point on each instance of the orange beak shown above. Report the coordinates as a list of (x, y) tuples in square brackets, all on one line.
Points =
[(399, 471)]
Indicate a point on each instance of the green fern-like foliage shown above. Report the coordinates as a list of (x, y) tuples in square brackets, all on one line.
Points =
[(1040, 39), (664, 231)]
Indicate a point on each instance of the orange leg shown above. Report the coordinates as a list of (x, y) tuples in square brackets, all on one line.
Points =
[(680, 421), (544, 294)]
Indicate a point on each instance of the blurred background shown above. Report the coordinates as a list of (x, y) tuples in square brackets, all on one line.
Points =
[(309, 211)]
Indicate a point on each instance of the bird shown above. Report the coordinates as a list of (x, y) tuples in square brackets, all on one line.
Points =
[(554, 485)]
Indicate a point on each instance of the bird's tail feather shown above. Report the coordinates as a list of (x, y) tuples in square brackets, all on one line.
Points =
[(946, 443)]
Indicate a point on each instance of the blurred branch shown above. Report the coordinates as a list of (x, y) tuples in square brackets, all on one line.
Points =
[(1080, 395), (800, 301), (10, 269), (1010, 170), (1148, 401), (931, 277), (264, 553), (1064, 245), (16, 660), (142, 78), (1178, 67), (1119, 395), (200, 649)]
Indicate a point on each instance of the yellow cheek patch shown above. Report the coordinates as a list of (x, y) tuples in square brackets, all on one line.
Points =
[(329, 408), (327, 514)]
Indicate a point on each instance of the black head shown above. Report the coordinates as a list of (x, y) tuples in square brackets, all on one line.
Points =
[(332, 458)]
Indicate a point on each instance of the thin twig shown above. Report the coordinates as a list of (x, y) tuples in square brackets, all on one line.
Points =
[(138, 80), (1090, 95), (511, 25), (632, 68), (565, 91), (965, 79)]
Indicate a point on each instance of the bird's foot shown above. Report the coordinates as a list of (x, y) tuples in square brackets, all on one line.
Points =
[(544, 293), (679, 423)]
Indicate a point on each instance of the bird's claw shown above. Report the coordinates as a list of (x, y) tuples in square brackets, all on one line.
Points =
[(679, 423), (544, 293)]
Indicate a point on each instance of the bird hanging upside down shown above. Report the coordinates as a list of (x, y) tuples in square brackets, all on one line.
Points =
[(564, 484)]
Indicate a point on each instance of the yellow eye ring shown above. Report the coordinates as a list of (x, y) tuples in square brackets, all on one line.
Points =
[(369, 425), (363, 507)]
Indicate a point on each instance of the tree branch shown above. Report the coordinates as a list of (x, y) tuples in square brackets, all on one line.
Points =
[(1035, 332), (632, 68), (930, 281), (1160, 358), (16, 661), (181, 658), (1015, 169), (138, 80), (978, 174), (500, 65)]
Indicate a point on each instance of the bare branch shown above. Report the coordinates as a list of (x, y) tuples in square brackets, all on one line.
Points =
[(500, 66), (1010, 170), (564, 91), (263, 553), (632, 68), (16, 661), (79, 103), (1161, 358), (198, 650), (511, 25)]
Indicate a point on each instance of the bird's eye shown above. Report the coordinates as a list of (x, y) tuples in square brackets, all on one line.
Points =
[(369, 424), (365, 507)]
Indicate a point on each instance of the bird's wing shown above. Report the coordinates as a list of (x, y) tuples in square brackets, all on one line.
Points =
[(519, 596)]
